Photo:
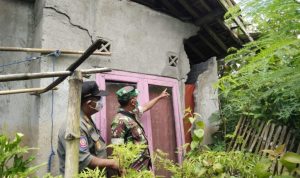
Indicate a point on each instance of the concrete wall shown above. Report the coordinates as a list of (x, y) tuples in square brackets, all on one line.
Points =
[(16, 30), (141, 39), (206, 97)]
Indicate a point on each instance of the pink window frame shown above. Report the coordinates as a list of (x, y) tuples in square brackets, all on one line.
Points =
[(143, 81)]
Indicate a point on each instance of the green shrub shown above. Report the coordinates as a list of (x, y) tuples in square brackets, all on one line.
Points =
[(262, 79), (12, 161)]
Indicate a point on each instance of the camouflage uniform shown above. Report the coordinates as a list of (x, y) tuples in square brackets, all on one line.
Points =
[(126, 128)]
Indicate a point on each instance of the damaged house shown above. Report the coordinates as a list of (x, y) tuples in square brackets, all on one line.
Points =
[(154, 44)]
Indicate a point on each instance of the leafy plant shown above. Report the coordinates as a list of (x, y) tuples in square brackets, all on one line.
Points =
[(197, 129), (127, 154), (216, 164), (95, 173), (262, 79), (12, 161), (290, 161)]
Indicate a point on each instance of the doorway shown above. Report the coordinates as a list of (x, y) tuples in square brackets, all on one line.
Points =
[(162, 122)]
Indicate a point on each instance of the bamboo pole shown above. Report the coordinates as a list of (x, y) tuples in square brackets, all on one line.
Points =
[(28, 76), (73, 130), (26, 90), (96, 45), (44, 51)]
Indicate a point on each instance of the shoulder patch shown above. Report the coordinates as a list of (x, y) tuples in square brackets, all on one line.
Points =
[(83, 144)]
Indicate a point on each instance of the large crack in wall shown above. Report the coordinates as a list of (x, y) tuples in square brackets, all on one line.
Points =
[(70, 21)]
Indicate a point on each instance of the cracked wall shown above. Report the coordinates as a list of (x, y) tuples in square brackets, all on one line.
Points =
[(141, 39)]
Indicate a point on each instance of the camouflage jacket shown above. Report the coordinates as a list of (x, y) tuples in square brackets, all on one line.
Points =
[(126, 128)]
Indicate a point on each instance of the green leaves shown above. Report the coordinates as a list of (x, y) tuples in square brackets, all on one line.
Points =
[(12, 161), (290, 160), (262, 79)]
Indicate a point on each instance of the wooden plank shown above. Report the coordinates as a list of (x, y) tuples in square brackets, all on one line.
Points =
[(275, 138), (172, 9), (208, 44), (291, 144), (215, 37), (267, 145), (25, 90), (237, 127), (210, 17), (244, 131), (254, 124), (204, 5), (273, 145), (188, 7), (256, 137), (281, 141), (239, 133), (255, 130), (282, 169), (232, 34), (45, 51), (263, 138), (236, 19)]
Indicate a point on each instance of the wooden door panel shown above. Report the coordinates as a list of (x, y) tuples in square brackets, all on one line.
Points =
[(163, 125)]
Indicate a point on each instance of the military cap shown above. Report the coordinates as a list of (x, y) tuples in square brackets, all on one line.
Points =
[(126, 93), (90, 88)]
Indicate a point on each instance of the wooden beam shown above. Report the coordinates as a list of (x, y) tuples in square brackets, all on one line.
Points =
[(25, 90), (211, 16), (187, 6), (194, 49), (204, 5), (232, 34), (227, 5), (208, 44), (215, 37), (173, 10), (72, 135), (44, 51), (28, 76)]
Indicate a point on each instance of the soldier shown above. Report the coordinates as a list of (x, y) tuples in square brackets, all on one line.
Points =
[(92, 148), (126, 126)]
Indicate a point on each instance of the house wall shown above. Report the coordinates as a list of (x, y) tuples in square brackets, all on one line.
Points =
[(17, 112), (141, 39), (206, 96)]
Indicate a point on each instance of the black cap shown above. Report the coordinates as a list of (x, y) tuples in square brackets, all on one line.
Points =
[(90, 89)]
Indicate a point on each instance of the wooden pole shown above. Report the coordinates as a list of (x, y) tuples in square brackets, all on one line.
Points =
[(26, 90), (96, 45), (27, 76), (73, 129), (43, 51)]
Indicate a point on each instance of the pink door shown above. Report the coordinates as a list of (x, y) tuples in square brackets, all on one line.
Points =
[(162, 123)]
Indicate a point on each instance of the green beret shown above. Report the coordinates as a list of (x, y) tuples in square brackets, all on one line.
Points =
[(126, 93)]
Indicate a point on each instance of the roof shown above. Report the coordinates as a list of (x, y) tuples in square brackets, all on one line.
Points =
[(214, 36)]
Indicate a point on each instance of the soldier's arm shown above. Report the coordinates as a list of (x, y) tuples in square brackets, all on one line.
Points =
[(102, 163), (152, 102)]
